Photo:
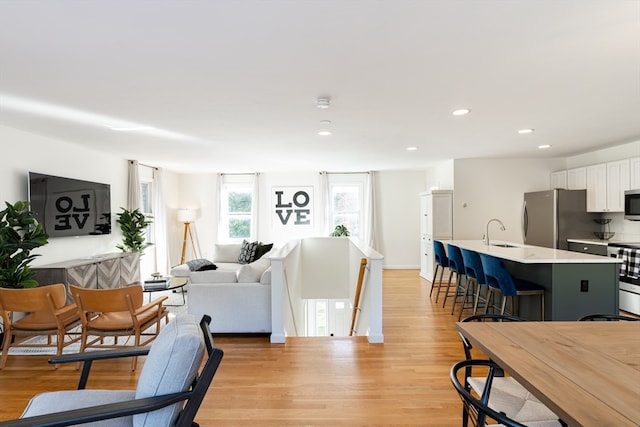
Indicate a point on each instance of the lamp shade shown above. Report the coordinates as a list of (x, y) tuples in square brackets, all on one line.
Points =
[(186, 215)]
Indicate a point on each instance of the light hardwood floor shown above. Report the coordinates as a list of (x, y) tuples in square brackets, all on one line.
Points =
[(307, 381)]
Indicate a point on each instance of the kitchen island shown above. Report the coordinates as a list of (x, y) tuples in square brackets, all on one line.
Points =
[(576, 284)]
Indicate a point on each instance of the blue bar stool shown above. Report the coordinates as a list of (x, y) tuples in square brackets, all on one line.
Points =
[(512, 288), (456, 266), (442, 262), (475, 278)]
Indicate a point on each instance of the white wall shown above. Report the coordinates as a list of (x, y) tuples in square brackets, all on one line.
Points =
[(618, 152), (440, 176), (398, 210), (23, 152), (494, 188)]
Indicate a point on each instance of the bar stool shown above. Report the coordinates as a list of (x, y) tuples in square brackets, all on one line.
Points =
[(512, 288), (475, 278), (456, 266), (442, 262)]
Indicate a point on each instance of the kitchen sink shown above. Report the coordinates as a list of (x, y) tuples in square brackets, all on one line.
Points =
[(504, 245)]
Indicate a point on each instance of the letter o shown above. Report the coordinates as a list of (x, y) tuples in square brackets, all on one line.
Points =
[(66, 207), (305, 196)]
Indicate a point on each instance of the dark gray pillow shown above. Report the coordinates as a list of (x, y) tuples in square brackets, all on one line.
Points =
[(247, 252), (196, 264), (208, 267)]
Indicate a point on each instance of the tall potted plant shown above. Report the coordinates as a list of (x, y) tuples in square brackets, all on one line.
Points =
[(133, 225), (20, 233)]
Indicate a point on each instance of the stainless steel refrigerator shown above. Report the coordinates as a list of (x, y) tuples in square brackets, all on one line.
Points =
[(551, 217)]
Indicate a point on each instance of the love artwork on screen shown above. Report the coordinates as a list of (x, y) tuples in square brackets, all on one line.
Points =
[(292, 207)]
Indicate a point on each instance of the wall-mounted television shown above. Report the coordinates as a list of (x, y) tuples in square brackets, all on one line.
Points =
[(70, 207)]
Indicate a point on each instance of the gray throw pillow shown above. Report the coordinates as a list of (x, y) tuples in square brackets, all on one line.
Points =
[(196, 264)]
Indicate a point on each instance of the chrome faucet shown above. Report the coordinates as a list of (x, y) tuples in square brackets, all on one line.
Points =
[(486, 232)]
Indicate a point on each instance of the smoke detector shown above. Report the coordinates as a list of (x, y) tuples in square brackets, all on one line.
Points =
[(323, 103)]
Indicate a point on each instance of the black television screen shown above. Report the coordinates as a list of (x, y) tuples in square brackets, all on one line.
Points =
[(70, 207)]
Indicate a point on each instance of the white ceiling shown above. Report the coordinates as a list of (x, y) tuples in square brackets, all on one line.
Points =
[(231, 85)]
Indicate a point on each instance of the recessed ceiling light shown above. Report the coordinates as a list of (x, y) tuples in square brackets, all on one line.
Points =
[(324, 132), (461, 112), (525, 131), (412, 148), (542, 147)]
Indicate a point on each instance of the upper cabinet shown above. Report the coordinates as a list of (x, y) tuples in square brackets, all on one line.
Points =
[(572, 179), (634, 172), (606, 184), (577, 179), (559, 179)]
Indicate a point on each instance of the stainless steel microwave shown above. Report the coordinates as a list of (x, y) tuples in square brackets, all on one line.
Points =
[(632, 205)]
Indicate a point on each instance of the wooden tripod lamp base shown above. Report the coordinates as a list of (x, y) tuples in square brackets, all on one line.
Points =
[(187, 216)]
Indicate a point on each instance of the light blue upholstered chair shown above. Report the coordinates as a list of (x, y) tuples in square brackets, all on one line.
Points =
[(168, 378), (497, 275)]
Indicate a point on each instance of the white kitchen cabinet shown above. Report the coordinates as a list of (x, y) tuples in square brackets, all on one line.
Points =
[(559, 179), (436, 223), (577, 179), (634, 173), (617, 184), (606, 184)]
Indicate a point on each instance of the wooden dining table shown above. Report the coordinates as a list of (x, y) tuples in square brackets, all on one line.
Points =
[(588, 373)]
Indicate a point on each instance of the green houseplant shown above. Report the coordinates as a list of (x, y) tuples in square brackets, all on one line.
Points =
[(133, 225), (20, 233), (340, 230)]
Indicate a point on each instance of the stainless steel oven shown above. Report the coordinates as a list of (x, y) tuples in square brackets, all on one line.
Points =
[(629, 280)]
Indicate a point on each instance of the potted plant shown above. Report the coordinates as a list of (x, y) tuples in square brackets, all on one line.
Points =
[(340, 230), (20, 233), (133, 225)]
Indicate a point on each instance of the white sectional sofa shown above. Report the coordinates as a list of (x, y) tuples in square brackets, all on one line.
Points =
[(236, 296)]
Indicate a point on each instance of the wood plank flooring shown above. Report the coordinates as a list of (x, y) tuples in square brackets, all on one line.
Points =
[(307, 381)]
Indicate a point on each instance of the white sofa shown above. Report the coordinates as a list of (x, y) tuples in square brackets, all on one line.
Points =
[(236, 296)]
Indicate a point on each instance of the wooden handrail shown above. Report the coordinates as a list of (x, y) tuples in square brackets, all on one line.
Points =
[(356, 299)]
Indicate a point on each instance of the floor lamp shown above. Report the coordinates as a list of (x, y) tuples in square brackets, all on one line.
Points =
[(187, 216)]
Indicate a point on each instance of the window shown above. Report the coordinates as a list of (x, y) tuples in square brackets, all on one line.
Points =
[(236, 207), (146, 199), (347, 202)]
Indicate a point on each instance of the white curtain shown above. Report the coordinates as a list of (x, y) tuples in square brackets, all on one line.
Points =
[(221, 231), (325, 200), (133, 194), (159, 209), (370, 238), (255, 206)]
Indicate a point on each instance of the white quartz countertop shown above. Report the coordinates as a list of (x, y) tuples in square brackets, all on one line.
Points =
[(528, 254)]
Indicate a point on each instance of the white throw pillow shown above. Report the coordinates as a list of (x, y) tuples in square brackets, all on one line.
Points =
[(265, 279), (226, 252), (250, 273)]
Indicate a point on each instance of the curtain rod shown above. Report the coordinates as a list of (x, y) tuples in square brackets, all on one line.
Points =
[(245, 173), (344, 173)]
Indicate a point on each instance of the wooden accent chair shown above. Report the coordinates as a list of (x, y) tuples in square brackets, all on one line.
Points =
[(117, 312), (170, 389), (49, 314)]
